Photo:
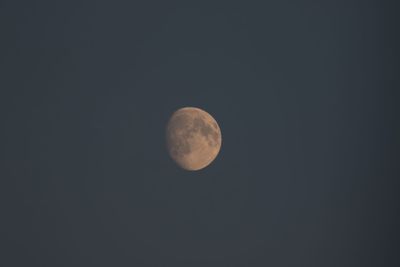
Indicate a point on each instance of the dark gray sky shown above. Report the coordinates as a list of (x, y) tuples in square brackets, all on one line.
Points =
[(305, 95)]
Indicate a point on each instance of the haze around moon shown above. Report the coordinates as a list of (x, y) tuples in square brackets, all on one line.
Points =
[(193, 138)]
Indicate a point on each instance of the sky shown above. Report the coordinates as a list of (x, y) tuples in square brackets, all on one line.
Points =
[(305, 94)]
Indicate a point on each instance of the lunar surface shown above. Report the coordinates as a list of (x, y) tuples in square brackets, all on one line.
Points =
[(193, 138)]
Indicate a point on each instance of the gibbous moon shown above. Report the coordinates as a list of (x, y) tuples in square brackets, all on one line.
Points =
[(193, 138)]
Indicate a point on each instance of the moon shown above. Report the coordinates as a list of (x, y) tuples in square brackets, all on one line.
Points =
[(193, 138)]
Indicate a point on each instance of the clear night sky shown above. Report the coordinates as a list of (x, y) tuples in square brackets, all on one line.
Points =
[(304, 93)]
